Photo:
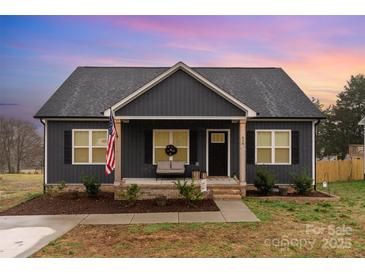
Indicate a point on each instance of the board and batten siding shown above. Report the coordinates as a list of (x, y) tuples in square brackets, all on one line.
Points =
[(57, 170), (180, 95), (133, 148), (282, 172), (133, 154)]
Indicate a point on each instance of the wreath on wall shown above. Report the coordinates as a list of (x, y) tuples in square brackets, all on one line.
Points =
[(170, 150)]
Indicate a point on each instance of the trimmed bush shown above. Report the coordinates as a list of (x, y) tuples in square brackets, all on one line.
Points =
[(189, 192), (92, 186), (131, 194), (264, 181), (302, 183)]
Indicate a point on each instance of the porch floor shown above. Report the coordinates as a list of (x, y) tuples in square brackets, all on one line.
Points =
[(170, 181)]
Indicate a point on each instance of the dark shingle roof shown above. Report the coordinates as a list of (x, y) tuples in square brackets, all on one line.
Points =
[(90, 90)]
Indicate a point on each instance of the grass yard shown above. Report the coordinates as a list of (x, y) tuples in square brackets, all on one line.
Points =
[(17, 188), (288, 229)]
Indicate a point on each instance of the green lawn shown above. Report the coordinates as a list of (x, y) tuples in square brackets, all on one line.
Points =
[(17, 188), (288, 229)]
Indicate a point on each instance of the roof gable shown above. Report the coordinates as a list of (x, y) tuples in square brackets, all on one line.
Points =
[(191, 72), (179, 95)]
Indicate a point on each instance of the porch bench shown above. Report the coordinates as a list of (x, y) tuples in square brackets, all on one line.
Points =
[(170, 168)]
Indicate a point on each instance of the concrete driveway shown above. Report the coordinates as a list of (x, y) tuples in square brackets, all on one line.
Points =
[(21, 236)]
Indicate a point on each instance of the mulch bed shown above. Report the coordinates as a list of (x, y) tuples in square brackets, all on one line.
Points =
[(79, 203)]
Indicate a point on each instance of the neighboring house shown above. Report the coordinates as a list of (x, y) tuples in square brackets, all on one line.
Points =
[(225, 121), (362, 123), (356, 151)]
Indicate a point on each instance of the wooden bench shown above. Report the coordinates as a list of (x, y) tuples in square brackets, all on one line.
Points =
[(168, 168)]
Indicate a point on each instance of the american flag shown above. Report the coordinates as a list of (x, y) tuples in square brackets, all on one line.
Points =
[(110, 153)]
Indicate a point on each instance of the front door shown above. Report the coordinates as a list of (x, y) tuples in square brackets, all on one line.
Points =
[(217, 153)]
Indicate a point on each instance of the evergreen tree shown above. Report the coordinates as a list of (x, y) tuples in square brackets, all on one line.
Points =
[(341, 126)]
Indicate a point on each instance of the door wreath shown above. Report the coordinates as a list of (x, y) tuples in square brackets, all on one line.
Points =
[(170, 150)]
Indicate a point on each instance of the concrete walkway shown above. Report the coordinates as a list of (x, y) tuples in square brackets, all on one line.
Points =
[(230, 211), (21, 236)]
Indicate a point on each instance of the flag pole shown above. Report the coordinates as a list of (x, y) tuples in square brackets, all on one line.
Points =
[(112, 114)]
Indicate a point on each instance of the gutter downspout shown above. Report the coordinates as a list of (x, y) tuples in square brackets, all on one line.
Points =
[(44, 157), (315, 153)]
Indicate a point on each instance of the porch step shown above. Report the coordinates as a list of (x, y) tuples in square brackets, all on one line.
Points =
[(225, 192), (218, 191), (226, 196)]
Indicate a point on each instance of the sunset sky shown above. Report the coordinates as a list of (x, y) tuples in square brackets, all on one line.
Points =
[(38, 53)]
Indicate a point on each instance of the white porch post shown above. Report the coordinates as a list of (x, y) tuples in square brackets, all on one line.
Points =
[(118, 152), (242, 157)]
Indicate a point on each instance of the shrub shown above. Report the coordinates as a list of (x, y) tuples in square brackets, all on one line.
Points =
[(92, 186), (302, 183), (264, 181), (189, 192), (131, 194)]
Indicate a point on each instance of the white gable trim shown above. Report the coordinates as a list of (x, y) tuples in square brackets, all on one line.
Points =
[(180, 65)]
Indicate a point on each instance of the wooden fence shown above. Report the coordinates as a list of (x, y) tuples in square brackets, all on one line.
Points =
[(340, 170)]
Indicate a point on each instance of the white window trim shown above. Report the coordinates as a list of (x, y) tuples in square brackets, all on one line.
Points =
[(272, 131), (89, 147), (171, 141)]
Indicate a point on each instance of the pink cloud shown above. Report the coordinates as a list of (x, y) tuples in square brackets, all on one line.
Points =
[(320, 75)]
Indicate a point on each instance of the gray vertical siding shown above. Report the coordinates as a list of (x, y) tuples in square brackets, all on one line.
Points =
[(133, 154), (56, 169), (180, 95), (133, 165), (282, 172)]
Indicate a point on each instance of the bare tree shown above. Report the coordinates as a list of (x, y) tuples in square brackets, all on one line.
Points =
[(2, 152), (19, 144), (7, 141)]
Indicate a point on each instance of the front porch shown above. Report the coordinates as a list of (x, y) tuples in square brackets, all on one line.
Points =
[(215, 147)]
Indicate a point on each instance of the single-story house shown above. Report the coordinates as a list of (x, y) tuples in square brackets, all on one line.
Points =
[(362, 123), (225, 121)]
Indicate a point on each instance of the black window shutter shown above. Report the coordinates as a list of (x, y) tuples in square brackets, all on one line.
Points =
[(250, 147), (67, 147), (148, 146), (193, 147), (295, 147)]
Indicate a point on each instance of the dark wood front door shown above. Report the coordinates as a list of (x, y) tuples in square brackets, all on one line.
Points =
[(218, 153)]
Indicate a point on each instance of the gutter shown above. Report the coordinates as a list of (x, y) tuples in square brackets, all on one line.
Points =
[(44, 157), (315, 153)]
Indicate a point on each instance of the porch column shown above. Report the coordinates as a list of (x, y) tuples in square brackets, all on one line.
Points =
[(118, 152), (242, 157)]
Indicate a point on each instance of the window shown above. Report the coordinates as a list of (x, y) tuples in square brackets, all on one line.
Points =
[(89, 146), (217, 138), (273, 147), (177, 137)]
